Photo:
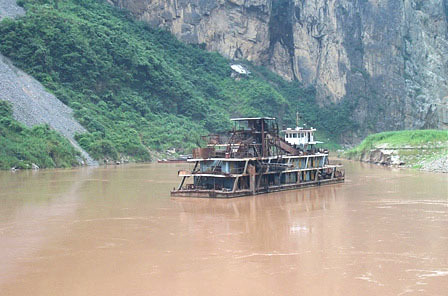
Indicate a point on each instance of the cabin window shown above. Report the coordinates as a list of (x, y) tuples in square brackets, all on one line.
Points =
[(295, 135)]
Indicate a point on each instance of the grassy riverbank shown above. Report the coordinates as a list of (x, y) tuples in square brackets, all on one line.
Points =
[(421, 149), (20, 147)]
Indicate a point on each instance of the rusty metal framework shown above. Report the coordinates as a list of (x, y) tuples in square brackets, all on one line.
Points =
[(252, 158)]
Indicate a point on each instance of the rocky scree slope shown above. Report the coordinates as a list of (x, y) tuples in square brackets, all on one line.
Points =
[(387, 56), (32, 104), (9, 8)]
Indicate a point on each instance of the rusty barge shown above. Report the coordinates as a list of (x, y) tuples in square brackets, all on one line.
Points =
[(253, 159)]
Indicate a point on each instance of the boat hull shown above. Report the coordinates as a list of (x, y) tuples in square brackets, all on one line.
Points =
[(229, 194)]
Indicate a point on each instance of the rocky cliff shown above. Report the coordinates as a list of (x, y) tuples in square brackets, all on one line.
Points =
[(389, 57)]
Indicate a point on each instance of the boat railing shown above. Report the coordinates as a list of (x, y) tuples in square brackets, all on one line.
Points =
[(216, 187), (217, 170)]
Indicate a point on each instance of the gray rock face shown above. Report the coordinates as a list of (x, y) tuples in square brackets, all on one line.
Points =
[(33, 105), (235, 28), (9, 8), (389, 56)]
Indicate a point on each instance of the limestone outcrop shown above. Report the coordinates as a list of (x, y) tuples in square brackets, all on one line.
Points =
[(389, 57)]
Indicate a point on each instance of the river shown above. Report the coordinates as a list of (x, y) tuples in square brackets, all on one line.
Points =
[(116, 231)]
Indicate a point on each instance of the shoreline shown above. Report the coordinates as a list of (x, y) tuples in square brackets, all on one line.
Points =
[(413, 158)]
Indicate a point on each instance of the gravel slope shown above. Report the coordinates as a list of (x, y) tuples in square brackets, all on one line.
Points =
[(33, 105), (9, 8)]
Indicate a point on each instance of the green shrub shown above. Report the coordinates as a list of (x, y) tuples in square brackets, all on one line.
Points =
[(103, 148), (21, 146)]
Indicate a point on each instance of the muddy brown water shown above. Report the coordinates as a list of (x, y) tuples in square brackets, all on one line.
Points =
[(116, 231)]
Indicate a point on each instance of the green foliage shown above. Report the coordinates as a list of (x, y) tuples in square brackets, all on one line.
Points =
[(134, 88), (103, 148), (398, 139), (21, 146), (5, 109)]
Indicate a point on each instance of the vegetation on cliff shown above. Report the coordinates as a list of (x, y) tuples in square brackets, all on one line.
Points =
[(135, 88), (20, 146)]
